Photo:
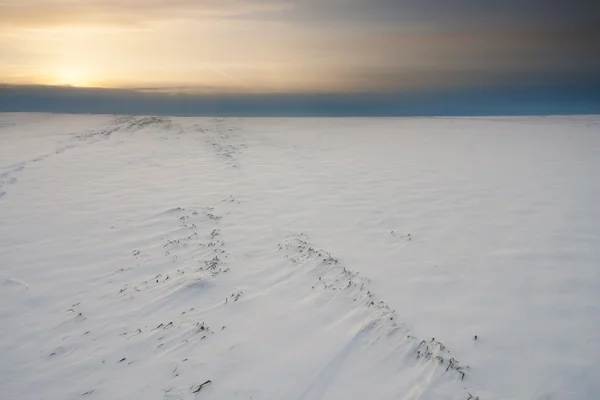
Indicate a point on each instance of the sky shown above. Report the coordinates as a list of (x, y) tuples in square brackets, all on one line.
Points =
[(345, 49)]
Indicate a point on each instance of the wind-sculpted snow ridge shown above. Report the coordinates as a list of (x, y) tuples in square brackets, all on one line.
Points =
[(178, 321), (135, 123), (144, 326), (383, 322)]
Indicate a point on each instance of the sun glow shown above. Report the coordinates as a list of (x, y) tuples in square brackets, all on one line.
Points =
[(72, 76)]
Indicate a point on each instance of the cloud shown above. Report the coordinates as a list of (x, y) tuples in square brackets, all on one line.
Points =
[(445, 14), (431, 15), (478, 101), (38, 13)]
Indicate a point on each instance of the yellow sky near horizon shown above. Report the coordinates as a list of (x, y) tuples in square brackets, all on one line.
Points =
[(171, 53), (202, 46)]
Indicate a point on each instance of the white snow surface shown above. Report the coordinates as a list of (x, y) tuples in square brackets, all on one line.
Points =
[(300, 259)]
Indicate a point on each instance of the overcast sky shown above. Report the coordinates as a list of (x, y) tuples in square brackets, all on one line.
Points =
[(298, 46)]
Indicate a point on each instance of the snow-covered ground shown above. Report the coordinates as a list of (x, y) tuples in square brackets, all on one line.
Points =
[(141, 257)]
